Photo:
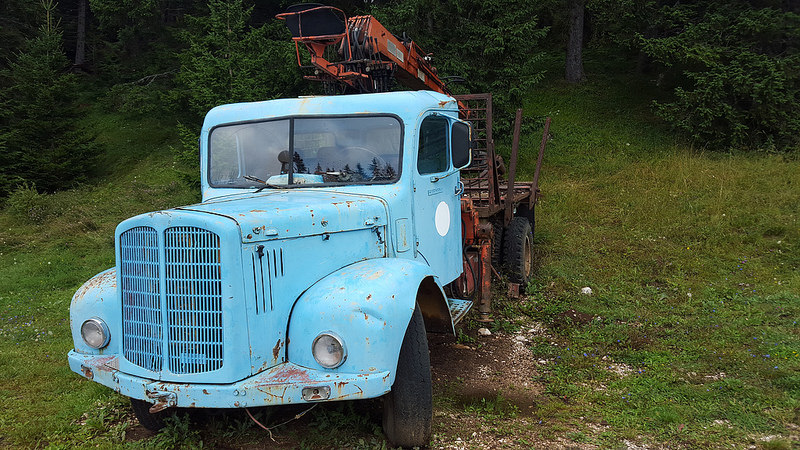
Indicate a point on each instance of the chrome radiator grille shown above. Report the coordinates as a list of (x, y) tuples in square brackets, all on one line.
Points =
[(188, 312)]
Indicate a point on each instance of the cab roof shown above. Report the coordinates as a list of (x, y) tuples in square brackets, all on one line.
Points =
[(406, 104)]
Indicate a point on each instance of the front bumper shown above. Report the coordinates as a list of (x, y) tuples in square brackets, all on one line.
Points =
[(283, 384)]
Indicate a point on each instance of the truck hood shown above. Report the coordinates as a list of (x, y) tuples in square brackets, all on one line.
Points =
[(292, 213)]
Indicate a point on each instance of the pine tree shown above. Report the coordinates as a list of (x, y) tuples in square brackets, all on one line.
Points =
[(42, 141), (361, 172), (389, 172), (227, 60), (299, 164), (375, 169)]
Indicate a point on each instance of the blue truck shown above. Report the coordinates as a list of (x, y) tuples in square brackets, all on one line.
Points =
[(334, 232)]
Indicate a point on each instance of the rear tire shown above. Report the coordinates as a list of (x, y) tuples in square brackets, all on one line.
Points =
[(408, 407), (518, 250), (153, 422)]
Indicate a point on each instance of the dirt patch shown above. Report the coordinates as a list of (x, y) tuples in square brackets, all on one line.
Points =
[(499, 364), (136, 432)]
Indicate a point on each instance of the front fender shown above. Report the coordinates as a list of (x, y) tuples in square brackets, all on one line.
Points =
[(368, 305), (96, 298)]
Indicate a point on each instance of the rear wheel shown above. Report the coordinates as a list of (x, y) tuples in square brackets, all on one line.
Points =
[(518, 250), (152, 422), (408, 407)]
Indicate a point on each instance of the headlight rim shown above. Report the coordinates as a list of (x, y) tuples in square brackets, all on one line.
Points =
[(338, 339), (103, 328)]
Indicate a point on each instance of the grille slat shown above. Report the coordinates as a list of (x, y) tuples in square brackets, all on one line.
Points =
[(194, 300), (141, 298)]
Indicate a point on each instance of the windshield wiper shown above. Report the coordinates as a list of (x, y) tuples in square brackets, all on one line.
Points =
[(259, 180)]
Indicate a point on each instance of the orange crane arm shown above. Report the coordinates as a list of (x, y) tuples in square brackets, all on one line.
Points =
[(358, 54)]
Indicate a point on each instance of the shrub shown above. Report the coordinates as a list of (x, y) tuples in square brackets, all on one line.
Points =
[(736, 70), (27, 204)]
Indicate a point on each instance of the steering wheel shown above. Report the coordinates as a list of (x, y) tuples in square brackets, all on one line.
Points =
[(381, 162)]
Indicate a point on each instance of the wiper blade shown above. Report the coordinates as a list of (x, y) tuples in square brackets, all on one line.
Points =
[(259, 180), (269, 185), (254, 179)]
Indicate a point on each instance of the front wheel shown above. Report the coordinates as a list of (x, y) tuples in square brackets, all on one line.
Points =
[(408, 407)]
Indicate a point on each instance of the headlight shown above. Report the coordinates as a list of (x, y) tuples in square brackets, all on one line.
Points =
[(95, 333), (328, 350)]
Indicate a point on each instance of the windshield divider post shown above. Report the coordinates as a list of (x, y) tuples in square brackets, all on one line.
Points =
[(290, 180)]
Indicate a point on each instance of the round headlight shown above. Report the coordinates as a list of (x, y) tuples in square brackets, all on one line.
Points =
[(95, 333), (328, 350)]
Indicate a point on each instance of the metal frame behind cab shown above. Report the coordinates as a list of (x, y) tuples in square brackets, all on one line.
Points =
[(483, 180)]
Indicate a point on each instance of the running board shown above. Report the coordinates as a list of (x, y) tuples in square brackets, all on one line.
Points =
[(458, 309)]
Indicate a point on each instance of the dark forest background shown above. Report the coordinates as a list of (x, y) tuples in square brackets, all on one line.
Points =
[(729, 72)]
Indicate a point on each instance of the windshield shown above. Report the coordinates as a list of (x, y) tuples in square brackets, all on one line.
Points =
[(349, 150)]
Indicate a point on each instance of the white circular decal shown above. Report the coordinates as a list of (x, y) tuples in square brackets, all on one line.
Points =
[(442, 218)]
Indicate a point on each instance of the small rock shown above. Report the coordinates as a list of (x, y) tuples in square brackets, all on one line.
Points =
[(462, 347), (586, 290), (542, 361), (521, 338), (484, 332)]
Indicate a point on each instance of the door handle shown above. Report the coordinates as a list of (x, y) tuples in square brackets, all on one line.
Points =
[(459, 188)]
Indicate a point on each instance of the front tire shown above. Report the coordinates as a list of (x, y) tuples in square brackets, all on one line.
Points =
[(408, 407)]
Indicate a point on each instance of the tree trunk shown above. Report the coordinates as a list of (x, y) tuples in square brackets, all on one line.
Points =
[(80, 46), (575, 42)]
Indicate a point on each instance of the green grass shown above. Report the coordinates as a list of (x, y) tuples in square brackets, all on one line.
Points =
[(50, 245), (639, 216), (693, 259)]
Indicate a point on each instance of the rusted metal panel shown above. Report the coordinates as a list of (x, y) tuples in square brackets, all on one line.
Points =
[(485, 295)]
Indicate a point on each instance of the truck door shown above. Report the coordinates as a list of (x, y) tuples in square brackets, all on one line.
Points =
[(437, 200)]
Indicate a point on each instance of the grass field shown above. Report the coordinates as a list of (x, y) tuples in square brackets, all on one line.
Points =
[(692, 258)]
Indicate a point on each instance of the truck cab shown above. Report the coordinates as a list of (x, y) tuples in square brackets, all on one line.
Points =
[(310, 271)]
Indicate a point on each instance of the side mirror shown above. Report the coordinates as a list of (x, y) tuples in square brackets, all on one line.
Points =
[(461, 144)]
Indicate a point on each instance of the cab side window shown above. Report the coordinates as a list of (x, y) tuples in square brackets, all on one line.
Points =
[(432, 155)]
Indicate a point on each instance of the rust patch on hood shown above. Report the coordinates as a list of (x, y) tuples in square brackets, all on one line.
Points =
[(276, 350)]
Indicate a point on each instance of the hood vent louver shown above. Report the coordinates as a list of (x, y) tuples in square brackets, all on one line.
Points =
[(268, 266)]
